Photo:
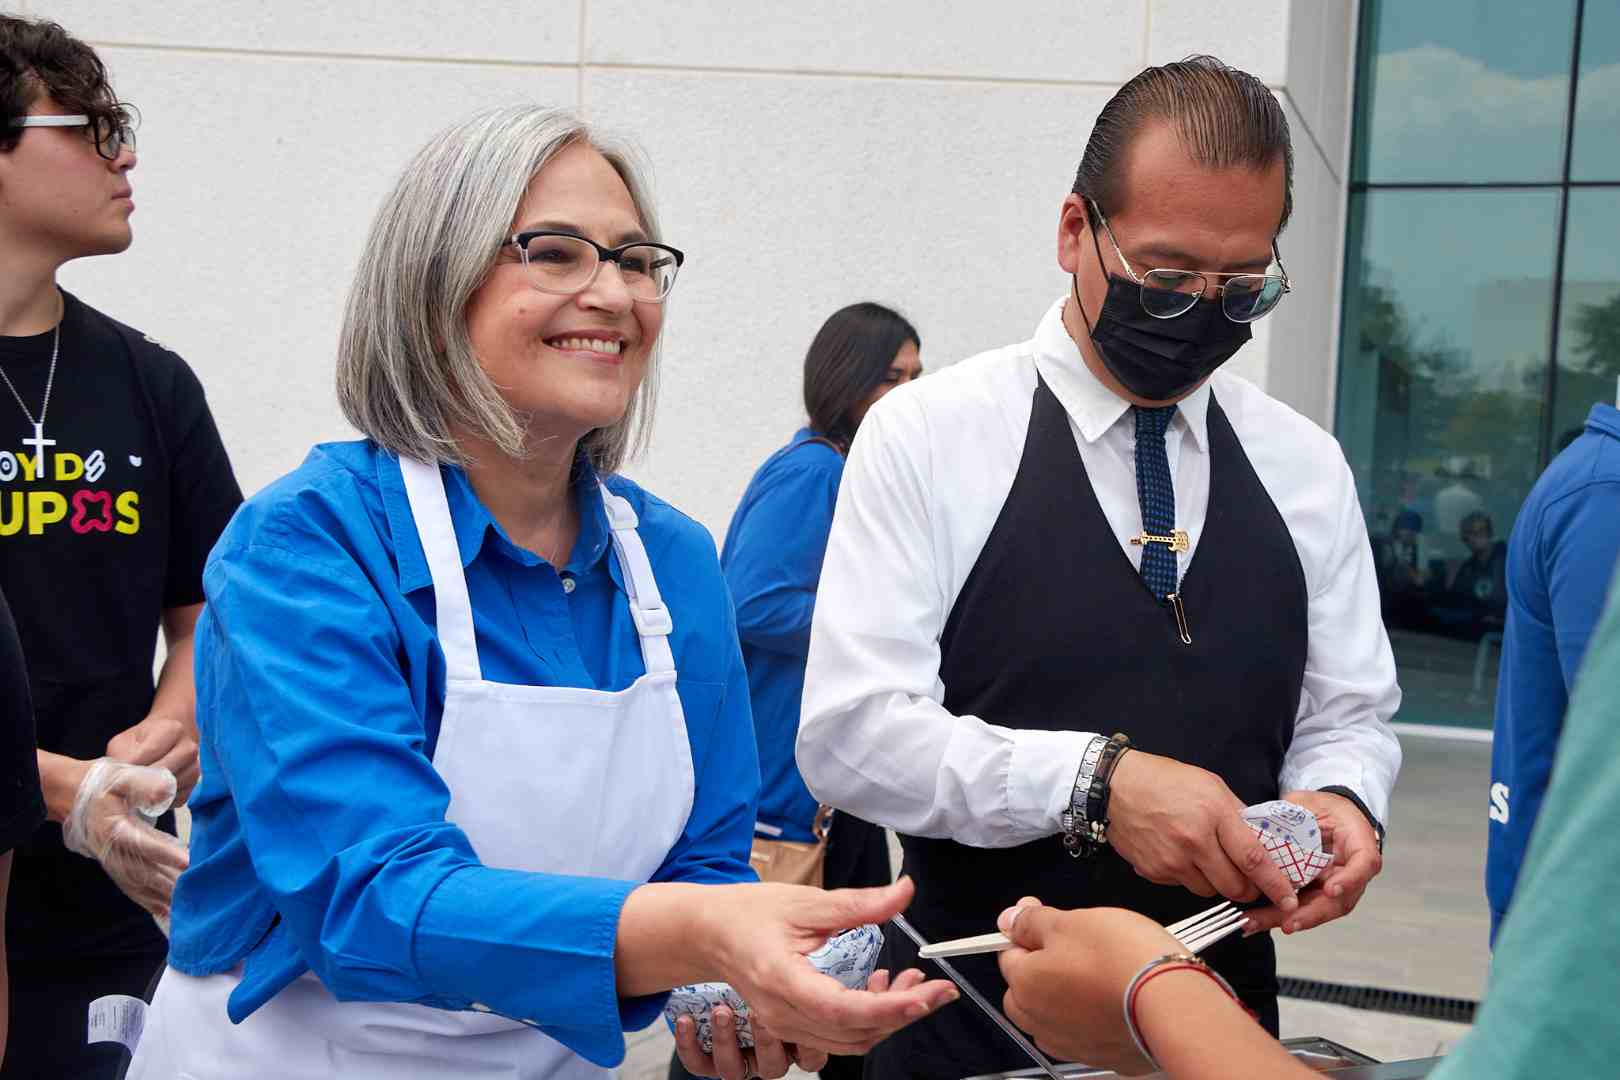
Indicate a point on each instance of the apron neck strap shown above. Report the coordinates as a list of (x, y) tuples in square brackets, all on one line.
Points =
[(424, 488), (647, 608)]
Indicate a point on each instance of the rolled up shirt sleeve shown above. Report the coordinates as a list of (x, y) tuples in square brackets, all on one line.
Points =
[(1342, 735), (343, 814), (874, 737)]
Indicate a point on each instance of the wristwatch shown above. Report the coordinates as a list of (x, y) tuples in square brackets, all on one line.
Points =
[(1378, 826)]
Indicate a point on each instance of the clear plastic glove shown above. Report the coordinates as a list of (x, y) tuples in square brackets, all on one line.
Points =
[(113, 821)]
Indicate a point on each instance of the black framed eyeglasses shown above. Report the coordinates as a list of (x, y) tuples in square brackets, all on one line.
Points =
[(1169, 293), (564, 264), (111, 133)]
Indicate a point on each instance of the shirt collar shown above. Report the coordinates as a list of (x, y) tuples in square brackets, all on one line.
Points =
[(1604, 418), (475, 527), (1093, 407)]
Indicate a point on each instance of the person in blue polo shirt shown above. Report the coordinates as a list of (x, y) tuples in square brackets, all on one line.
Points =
[(1561, 556), (772, 562), (478, 775)]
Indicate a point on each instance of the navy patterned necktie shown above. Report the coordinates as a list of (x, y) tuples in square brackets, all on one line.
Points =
[(1157, 494)]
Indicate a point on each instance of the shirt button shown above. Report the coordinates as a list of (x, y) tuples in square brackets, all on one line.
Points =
[(568, 584)]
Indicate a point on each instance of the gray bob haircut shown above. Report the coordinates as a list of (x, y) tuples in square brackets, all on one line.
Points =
[(407, 374)]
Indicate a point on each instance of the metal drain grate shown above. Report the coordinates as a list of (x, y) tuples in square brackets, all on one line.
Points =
[(1376, 999)]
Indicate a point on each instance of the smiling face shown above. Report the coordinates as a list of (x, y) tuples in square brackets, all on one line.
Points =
[(571, 364), (59, 198)]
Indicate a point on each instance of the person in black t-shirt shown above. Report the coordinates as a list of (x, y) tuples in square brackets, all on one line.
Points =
[(22, 806), (114, 485), (1478, 597)]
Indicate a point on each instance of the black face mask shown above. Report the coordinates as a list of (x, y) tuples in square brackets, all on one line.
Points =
[(1159, 359)]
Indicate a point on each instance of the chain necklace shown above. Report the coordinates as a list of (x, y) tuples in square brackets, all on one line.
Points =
[(39, 442)]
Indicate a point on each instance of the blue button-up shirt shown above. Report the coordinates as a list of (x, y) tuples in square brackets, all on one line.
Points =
[(319, 840), (772, 562)]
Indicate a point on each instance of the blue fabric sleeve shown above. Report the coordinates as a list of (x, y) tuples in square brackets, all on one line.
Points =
[(344, 814), (1579, 554), (776, 556), (1558, 569), (537, 948)]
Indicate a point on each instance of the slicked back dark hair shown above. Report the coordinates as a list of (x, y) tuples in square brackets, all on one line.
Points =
[(1225, 118), (38, 58), (849, 358)]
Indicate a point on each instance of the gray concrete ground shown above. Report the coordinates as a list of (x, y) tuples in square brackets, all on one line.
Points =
[(1422, 926)]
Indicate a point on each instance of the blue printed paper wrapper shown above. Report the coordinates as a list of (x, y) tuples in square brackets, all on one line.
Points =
[(1291, 837), (850, 957)]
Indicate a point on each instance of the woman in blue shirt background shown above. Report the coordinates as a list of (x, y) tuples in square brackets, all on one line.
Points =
[(475, 727), (772, 562)]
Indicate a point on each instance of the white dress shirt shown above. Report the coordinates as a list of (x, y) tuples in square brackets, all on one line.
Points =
[(925, 481)]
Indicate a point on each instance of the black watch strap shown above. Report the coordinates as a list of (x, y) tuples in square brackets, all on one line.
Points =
[(1378, 826)]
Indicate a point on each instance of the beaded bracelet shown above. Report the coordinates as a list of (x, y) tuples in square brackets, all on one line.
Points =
[(1152, 969)]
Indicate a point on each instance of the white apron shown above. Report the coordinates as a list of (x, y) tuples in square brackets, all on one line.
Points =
[(550, 779)]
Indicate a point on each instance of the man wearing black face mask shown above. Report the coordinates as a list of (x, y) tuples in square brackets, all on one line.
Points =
[(1087, 597)]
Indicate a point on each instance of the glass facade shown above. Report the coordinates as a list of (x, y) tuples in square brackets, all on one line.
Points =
[(1481, 305)]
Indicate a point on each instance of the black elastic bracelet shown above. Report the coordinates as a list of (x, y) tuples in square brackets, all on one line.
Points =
[(1097, 797)]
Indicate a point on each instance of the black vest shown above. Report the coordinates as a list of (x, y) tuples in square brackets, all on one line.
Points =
[(1055, 630)]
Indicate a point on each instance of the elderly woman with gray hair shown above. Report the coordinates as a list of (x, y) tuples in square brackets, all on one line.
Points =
[(478, 766)]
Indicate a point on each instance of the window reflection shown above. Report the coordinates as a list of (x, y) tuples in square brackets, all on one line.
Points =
[(1468, 142), (1596, 154), (1465, 89), (1448, 310), (1589, 317)]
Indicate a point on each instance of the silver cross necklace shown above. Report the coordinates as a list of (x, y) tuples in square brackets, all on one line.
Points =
[(39, 442)]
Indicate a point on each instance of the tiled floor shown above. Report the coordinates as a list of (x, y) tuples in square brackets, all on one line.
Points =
[(1422, 925)]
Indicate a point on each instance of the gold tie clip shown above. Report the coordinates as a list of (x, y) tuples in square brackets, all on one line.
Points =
[(1177, 540)]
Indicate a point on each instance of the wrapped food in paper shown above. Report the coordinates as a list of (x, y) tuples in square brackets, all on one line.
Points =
[(699, 1000), (850, 957), (1291, 837)]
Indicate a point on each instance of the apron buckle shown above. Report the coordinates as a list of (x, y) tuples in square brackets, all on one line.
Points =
[(652, 622)]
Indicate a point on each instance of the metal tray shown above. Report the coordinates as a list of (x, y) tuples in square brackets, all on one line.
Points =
[(1323, 1055)]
